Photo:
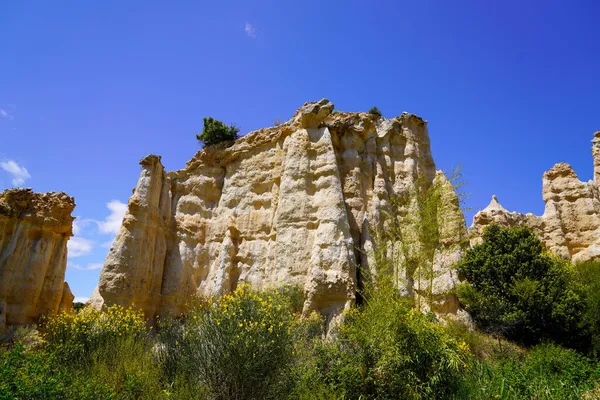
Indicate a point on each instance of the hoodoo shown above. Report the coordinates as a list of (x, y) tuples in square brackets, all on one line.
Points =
[(34, 230), (570, 225), (291, 204)]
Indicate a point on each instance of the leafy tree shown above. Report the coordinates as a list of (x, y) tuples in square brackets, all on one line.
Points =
[(215, 131), (515, 289), (375, 111), (587, 274)]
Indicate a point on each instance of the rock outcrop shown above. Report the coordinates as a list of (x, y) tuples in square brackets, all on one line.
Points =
[(570, 225), (291, 204), (34, 230)]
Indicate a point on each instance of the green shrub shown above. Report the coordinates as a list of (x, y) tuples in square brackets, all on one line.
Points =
[(548, 371), (126, 368), (215, 131), (24, 375), (515, 289), (237, 347), (40, 374), (104, 353), (587, 275), (375, 111), (74, 337), (385, 350)]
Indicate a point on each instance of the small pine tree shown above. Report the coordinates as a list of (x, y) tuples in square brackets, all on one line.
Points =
[(215, 131), (375, 111)]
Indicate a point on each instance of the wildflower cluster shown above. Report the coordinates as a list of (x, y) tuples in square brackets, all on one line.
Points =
[(241, 342), (252, 320), (74, 335)]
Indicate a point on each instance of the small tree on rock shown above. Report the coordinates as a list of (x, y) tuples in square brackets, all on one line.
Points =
[(215, 131), (375, 111)]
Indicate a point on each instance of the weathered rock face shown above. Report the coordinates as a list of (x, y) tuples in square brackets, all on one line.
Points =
[(292, 204), (34, 230), (570, 225)]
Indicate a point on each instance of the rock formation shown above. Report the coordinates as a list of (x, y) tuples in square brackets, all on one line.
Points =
[(570, 225), (34, 230), (291, 204)]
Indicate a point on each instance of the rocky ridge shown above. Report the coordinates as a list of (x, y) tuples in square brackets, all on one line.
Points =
[(291, 204), (570, 224), (34, 230)]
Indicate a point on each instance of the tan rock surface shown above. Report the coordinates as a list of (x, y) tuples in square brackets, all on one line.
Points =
[(34, 230), (290, 204), (570, 225)]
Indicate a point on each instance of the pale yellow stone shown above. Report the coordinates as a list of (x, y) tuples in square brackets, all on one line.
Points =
[(290, 204), (570, 225), (34, 230)]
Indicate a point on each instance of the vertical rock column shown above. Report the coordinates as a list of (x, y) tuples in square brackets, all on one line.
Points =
[(133, 270), (596, 154), (34, 230)]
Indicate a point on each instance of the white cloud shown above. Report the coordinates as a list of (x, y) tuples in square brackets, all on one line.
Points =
[(250, 30), (19, 174), (90, 267), (107, 245), (112, 223), (5, 114), (79, 246), (80, 299), (78, 225)]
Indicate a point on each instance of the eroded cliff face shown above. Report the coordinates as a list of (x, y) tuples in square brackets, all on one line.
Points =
[(570, 225), (291, 204), (34, 230)]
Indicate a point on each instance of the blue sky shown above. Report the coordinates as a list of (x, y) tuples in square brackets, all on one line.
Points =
[(88, 88)]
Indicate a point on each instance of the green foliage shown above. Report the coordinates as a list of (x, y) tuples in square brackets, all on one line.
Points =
[(587, 275), (375, 111), (215, 131), (76, 336), (237, 347), (385, 350), (122, 369), (25, 375), (78, 306), (255, 345), (413, 230), (547, 372), (515, 289)]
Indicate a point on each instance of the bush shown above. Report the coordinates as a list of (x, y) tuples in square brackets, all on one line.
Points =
[(587, 275), (386, 350), (215, 131), (515, 289), (41, 375), (89, 355), (548, 372), (74, 337), (126, 368), (237, 347), (375, 111), (25, 375)]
